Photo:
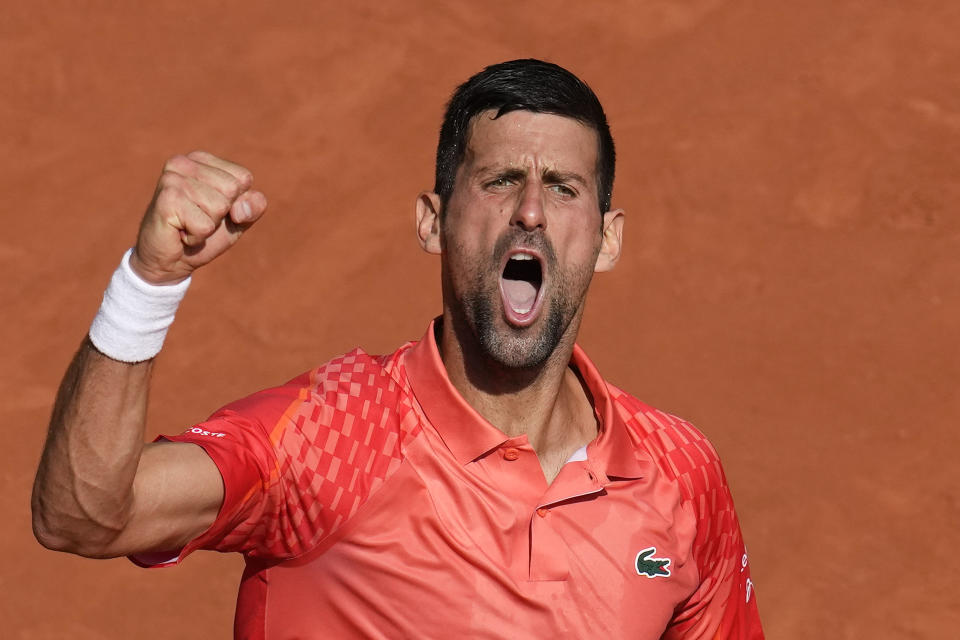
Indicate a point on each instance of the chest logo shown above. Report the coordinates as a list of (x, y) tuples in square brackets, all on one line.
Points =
[(652, 567)]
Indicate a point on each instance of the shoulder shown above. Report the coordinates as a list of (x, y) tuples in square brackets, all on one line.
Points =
[(358, 374), (354, 400), (298, 459), (679, 449), (722, 605), (355, 374)]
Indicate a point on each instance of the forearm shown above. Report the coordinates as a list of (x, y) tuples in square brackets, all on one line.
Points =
[(99, 490), (82, 495)]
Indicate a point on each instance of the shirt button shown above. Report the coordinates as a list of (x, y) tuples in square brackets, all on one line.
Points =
[(511, 454), (542, 512)]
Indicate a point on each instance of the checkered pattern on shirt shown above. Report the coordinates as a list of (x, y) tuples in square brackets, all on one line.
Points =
[(307, 454), (339, 445), (684, 454)]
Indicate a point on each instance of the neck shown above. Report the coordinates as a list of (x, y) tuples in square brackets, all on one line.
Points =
[(547, 403)]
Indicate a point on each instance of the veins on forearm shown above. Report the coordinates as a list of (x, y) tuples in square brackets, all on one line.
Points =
[(83, 488)]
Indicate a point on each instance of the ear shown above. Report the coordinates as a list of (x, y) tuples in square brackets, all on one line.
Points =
[(428, 221), (610, 241)]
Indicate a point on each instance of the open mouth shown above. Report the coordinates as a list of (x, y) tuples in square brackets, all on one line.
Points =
[(520, 285)]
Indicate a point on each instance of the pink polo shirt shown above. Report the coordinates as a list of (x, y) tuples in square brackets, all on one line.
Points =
[(370, 500)]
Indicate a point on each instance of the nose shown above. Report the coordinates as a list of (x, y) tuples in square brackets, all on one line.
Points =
[(529, 214)]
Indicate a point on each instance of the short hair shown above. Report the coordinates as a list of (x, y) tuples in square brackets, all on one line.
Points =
[(522, 85)]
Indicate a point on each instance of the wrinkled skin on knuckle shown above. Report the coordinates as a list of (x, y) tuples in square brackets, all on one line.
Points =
[(245, 179), (167, 203), (170, 181), (199, 155), (203, 226), (178, 164), (219, 204), (235, 190)]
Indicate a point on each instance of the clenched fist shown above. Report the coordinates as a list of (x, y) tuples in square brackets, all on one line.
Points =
[(201, 207)]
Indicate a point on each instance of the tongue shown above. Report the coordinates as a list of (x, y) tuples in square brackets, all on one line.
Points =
[(519, 294)]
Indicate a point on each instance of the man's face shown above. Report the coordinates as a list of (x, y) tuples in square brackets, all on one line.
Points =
[(521, 233)]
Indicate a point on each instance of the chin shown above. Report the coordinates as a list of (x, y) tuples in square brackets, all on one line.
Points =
[(515, 347)]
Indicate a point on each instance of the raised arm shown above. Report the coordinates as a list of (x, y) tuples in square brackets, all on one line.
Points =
[(99, 490)]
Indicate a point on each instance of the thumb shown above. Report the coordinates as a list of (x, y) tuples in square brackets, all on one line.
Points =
[(248, 208)]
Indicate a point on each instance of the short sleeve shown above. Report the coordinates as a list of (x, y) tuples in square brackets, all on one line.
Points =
[(297, 461), (254, 518), (724, 606)]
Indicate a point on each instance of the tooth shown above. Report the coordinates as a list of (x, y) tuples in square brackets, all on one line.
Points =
[(521, 256)]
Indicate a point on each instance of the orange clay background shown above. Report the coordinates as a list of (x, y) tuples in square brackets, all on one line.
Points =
[(790, 282)]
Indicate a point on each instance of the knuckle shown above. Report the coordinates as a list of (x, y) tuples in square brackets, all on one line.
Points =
[(221, 204), (170, 180), (168, 197), (204, 226), (199, 155), (238, 184), (178, 164), (234, 189)]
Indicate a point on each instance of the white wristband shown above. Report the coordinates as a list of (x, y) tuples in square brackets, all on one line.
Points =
[(134, 315)]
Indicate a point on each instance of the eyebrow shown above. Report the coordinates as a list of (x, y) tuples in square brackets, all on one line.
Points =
[(549, 175), (503, 172)]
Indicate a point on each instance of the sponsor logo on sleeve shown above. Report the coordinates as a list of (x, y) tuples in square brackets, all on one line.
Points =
[(652, 567), (203, 432)]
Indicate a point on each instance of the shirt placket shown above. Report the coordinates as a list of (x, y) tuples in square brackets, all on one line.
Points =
[(549, 553)]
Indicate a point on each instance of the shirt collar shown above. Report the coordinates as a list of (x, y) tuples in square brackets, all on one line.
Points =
[(469, 436)]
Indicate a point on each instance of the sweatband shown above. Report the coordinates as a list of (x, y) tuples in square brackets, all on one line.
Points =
[(134, 315)]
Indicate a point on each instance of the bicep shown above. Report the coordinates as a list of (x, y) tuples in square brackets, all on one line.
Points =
[(177, 493)]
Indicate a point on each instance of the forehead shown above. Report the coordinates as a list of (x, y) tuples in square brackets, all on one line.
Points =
[(525, 139)]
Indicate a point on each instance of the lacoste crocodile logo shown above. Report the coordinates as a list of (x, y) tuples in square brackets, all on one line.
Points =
[(652, 567)]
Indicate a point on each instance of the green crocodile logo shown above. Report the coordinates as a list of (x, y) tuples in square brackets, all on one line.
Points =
[(652, 567)]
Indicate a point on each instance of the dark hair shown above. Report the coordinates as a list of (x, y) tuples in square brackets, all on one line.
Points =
[(527, 85)]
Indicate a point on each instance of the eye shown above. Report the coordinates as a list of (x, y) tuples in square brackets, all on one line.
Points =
[(500, 181), (563, 190)]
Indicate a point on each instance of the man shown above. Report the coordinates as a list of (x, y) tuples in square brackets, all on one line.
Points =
[(482, 482)]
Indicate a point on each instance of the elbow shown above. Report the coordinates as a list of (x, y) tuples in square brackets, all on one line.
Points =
[(44, 530), (61, 532), (50, 538), (50, 534)]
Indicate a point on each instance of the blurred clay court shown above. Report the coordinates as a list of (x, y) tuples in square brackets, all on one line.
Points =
[(790, 283)]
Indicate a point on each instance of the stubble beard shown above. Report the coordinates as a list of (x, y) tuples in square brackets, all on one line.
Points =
[(523, 348), (511, 348)]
